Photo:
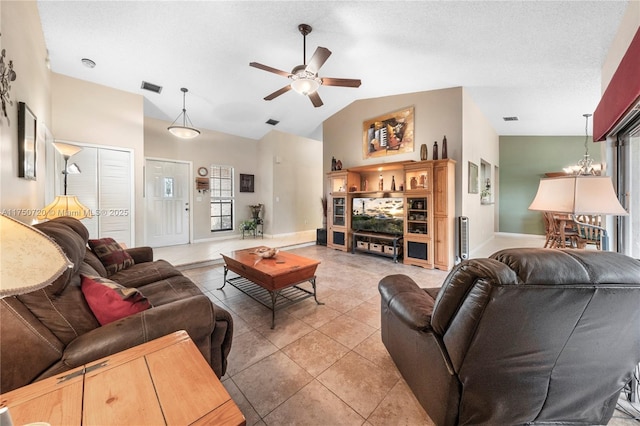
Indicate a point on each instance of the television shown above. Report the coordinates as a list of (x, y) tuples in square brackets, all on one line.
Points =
[(382, 215)]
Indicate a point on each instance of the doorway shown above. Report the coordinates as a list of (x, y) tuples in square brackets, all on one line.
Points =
[(167, 205)]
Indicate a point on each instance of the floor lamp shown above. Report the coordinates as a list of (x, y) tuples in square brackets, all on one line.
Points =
[(65, 205), (579, 194)]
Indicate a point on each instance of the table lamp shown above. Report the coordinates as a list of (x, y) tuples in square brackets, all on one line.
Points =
[(29, 259), (65, 205), (579, 194)]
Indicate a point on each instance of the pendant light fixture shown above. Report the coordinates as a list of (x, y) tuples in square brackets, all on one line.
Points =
[(585, 166), (183, 131)]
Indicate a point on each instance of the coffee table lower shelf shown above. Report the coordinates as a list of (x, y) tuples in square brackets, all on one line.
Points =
[(276, 299)]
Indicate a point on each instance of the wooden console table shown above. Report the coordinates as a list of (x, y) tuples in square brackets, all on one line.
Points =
[(163, 382)]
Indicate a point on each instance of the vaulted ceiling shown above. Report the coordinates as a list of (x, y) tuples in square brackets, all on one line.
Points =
[(538, 60)]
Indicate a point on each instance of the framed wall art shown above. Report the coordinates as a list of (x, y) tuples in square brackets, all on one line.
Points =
[(388, 134), (246, 183), (27, 130), (473, 178)]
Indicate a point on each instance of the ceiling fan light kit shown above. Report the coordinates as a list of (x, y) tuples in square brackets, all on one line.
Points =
[(183, 131), (304, 77), (305, 85)]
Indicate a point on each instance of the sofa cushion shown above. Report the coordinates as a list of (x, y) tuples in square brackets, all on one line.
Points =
[(170, 289), (142, 274), (92, 260), (109, 301), (111, 254)]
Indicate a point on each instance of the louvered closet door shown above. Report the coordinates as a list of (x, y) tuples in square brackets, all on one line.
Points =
[(114, 194), (83, 185), (104, 185)]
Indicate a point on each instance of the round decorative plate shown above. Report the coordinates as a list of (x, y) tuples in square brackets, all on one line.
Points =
[(202, 171)]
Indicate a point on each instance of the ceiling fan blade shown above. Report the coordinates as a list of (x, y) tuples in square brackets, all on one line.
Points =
[(318, 59), (270, 69), (315, 99), (344, 82), (278, 92)]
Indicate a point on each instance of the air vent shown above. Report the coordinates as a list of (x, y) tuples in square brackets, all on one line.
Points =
[(514, 118), (151, 87), (272, 121)]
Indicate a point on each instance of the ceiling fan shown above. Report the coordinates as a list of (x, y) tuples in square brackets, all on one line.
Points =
[(304, 77)]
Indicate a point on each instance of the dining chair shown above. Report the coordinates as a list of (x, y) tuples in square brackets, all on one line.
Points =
[(589, 228)]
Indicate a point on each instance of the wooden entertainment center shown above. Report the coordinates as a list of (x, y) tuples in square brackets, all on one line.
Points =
[(427, 191)]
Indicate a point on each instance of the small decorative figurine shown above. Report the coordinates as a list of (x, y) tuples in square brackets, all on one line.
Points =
[(444, 147)]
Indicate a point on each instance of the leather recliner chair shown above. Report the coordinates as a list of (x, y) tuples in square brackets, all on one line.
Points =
[(528, 336)]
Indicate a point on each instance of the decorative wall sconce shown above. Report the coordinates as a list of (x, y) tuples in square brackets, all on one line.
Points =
[(7, 75)]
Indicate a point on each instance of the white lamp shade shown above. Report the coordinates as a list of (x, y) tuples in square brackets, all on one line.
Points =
[(66, 150), (29, 259), (184, 132), (582, 194), (305, 86), (65, 205)]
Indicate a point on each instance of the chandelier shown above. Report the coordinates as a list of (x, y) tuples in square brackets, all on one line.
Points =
[(585, 166)]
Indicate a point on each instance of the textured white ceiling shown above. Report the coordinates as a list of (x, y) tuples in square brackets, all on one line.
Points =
[(538, 60)]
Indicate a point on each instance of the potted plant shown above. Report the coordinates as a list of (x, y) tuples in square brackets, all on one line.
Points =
[(247, 225)]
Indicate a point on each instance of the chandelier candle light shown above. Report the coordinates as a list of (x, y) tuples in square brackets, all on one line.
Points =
[(183, 131), (585, 166)]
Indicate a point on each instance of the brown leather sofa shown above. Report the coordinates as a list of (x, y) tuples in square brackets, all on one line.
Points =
[(528, 336), (52, 330)]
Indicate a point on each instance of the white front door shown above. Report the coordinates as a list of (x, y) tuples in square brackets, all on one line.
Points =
[(166, 203)]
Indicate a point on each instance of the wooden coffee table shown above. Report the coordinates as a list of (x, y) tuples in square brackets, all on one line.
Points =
[(163, 382), (272, 282)]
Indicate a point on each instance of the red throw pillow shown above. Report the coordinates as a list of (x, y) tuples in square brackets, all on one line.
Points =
[(111, 254), (110, 301)]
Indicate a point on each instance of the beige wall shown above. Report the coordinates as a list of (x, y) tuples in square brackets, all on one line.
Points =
[(436, 113), (98, 115), (209, 148), (23, 41), (287, 171), (480, 143), (627, 30), (292, 186), (449, 112)]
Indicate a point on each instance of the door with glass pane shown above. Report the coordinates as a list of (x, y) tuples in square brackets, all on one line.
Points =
[(166, 203)]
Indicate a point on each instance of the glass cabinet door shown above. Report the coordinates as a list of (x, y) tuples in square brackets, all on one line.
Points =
[(339, 211), (417, 215)]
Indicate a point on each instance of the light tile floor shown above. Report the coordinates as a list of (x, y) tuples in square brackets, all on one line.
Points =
[(321, 365)]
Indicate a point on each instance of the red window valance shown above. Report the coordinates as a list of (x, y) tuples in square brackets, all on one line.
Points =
[(622, 93)]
